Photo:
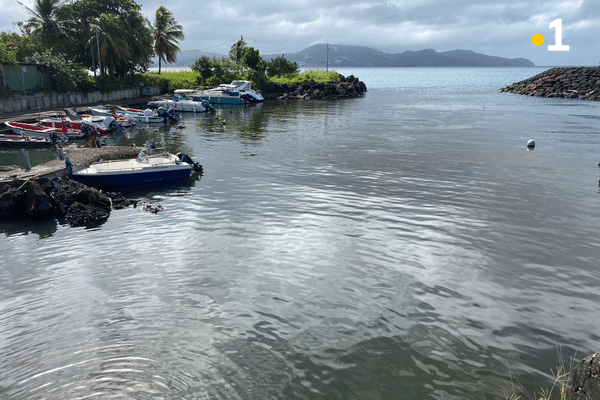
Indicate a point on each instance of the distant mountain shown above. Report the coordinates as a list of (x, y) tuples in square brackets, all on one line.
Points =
[(357, 56)]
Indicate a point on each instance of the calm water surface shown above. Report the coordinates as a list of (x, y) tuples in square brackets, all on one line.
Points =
[(404, 245)]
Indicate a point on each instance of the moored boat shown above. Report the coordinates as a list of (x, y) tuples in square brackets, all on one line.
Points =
[(38, 130), (180, 104), (145, 116), (26, 141), (140, 170), (236, 93), (101, 125)]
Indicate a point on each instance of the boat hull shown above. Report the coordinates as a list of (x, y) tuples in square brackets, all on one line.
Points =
[(142, 170), (133, 178), (229, 100)]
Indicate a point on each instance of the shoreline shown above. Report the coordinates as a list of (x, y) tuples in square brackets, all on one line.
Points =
[(572, 82)]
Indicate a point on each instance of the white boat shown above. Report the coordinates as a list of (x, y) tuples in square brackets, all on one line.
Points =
[(140, 170), (236, 92), (145, 116), (180, 104)]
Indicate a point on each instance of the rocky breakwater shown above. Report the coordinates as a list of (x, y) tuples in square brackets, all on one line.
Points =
[(573, 83), (344, 88), (69, 201)]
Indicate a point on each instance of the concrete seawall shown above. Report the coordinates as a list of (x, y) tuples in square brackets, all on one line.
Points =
[(53, 101)]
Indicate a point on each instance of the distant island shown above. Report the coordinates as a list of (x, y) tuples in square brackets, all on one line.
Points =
[(358, 56)]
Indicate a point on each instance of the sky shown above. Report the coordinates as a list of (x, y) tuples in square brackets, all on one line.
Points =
[(501, 28)]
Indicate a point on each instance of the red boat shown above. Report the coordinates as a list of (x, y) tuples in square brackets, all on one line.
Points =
[(37, 130), (101, 126)]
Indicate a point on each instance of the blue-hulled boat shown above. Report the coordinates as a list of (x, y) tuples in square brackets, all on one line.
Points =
[(140, 170)]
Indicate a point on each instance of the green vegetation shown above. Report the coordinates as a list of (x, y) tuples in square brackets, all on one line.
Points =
[(167, 33), (317, 75), (109, 37), (114, 40)]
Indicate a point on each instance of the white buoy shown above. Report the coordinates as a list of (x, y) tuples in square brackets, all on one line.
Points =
[(531, 143)]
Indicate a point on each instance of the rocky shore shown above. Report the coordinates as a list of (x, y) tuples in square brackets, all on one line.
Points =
[(69, 201), (572, 83), (346, 88)]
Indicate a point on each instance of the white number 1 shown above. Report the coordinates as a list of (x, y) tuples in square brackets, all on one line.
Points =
[(558, 46)]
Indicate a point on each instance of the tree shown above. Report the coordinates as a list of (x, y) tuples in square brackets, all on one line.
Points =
[(8, 53), (24, 46), (45, 22), (203, 66), (236, 53), (280, 66), (167, 33), (252, 59), (124, 23), (114, 48)]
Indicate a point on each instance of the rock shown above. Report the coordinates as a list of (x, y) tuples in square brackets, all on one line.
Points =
[(79, 205), (11, 204), (65, 195), (560, 82), (585, 381), (80, 214), (37, 201)]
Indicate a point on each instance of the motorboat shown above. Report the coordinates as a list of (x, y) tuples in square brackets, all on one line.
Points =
[(140, 170), (145, 116), (27, 141), (179, 103), (102, 125), (236, 93), (39, 130)]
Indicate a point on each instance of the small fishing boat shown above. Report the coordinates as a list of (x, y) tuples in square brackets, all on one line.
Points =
[(180, 104), (140, 170), (234, 93), (101, 125), (26, 141), (145, 116), (38, 130)]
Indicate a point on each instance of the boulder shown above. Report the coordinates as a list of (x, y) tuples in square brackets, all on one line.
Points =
[(585, 381), (11, 204), (37, 202)]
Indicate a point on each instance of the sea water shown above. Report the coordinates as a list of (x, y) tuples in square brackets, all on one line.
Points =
[(402, 245)]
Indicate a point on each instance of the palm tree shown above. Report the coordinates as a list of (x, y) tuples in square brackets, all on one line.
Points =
[(44, 21), (115, 50), (167, 34)]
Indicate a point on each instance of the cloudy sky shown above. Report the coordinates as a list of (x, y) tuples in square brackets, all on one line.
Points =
[(500, 27)]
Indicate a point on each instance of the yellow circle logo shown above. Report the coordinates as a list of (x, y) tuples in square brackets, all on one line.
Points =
[(537, 39)]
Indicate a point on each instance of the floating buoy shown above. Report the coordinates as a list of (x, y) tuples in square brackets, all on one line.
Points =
[(531, 143)]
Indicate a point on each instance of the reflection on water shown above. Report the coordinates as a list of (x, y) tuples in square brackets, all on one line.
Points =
[(402, 245)]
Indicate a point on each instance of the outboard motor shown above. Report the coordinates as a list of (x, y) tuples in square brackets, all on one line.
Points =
[(87, 129), (167, 115), (187, 159), (112, 125), (207, 105), (53, 138), (173, 116)]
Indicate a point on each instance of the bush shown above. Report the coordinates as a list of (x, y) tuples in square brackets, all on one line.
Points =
[(171, 81), (305, 77)]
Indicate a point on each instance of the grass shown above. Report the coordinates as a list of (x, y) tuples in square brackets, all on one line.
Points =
[(317, 75), (560, 388), (173, 80)]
